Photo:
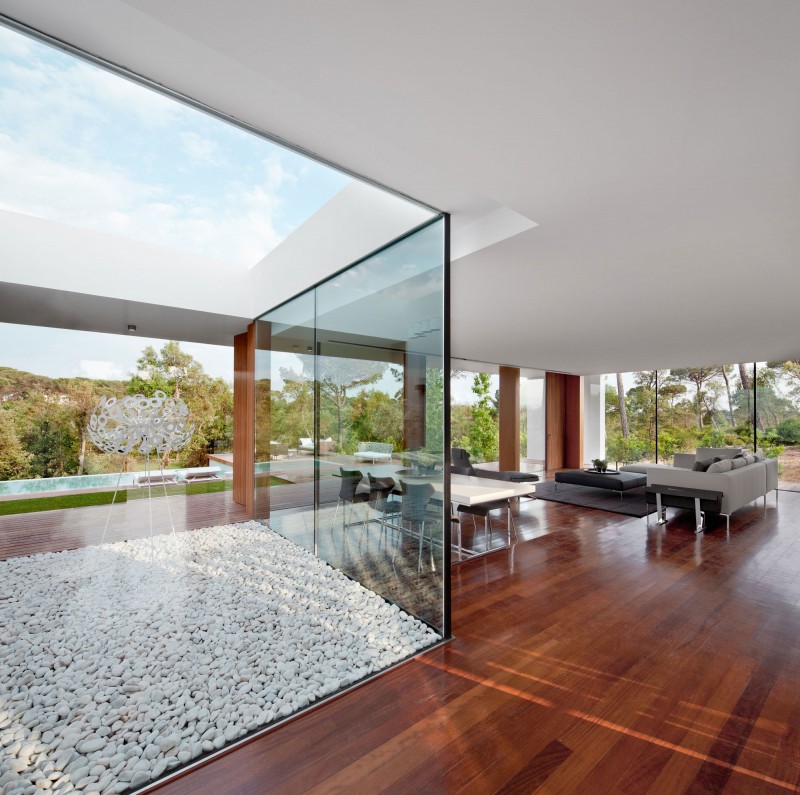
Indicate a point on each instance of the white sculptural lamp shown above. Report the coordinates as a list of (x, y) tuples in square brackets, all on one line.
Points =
[(152, 424)]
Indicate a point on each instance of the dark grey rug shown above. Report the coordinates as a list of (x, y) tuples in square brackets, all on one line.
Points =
[(633, 502)]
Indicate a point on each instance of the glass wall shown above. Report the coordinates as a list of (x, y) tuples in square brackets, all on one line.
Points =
[(630, 416), (755, 406), (777, 400), (351, 423)]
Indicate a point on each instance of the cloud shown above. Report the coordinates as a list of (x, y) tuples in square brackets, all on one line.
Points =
[(199, 148), (92, 368), (85, 147)]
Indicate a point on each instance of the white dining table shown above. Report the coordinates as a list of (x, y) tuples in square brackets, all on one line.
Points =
[(470, 490)]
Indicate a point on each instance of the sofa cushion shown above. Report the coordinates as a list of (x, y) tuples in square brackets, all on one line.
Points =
[(738, 463), (702, 466), (723, 465), (759, 456), (722, 452), (751, 459)]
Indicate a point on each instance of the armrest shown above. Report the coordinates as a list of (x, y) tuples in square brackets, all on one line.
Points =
[(683, 460)]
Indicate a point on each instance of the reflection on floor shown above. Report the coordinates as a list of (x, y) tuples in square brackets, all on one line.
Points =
[(383, 559), (597, 655), (122, 662)]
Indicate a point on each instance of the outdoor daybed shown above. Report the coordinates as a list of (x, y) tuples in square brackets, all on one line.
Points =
[(373, 451), (307, 445)]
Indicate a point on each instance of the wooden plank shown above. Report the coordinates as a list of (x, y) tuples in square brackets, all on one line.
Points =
[(244, 419)]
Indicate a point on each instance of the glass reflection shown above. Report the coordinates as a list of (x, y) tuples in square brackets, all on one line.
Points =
[(351, 422)]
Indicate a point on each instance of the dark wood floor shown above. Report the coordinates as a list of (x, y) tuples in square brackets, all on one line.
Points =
[(596, 656)]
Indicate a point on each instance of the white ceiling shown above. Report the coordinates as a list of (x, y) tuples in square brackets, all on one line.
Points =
[(654, 144)]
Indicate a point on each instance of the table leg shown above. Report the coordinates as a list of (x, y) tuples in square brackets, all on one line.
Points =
[(661, 519), (698, 515)]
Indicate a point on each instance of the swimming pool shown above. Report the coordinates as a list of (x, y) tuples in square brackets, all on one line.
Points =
[(70, 483)]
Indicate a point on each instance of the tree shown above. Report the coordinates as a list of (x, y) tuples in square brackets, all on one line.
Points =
[(180, 375), (697, 376), (623, 414), (483, 432), (377, 417), (724, 372), (13, 458), (168, 370), (337, 375), (52, 443), (82, 400)]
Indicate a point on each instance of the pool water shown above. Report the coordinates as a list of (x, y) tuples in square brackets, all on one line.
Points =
[(69, 483)]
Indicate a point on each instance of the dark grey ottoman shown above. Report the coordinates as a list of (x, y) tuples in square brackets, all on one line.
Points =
[(616, 481)]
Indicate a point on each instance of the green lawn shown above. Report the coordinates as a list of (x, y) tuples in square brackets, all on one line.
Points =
[(56, 503), (32, 504)]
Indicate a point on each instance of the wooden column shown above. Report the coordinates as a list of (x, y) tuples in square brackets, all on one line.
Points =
[(564, 421), (508, 406), (262, 410), (244, 418), (414, 401), (554, 420), (573, 422)]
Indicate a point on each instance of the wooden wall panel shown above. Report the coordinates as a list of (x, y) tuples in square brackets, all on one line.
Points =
[(564, 421), (509, 418), (573, 422), (555, 407), (244, 419)]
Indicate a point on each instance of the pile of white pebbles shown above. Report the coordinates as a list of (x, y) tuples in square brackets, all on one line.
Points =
[(120, 663)]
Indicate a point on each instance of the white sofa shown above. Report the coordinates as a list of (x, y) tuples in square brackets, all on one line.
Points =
[(373, 451), (741, 480)]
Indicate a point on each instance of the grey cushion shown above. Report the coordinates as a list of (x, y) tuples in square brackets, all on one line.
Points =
[(724, 465), (751, 459), (759, 456), (738, 463), (722, 452), (702, 466)]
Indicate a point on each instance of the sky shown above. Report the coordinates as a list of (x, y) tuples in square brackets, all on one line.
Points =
[(62, 353), (84, 147)]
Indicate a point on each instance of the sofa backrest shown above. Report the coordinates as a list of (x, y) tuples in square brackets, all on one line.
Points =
[(704, 453)]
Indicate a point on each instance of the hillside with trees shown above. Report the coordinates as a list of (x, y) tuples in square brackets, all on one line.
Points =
[(703, 407), (43, 420)]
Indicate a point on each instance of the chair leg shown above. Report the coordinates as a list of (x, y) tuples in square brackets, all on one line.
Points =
[(335, 513), (421, 536)]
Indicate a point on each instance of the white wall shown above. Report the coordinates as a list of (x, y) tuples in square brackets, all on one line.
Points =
[(594, 417), (534, 398)]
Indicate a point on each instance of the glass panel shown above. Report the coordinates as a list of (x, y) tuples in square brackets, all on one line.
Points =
[(778, 418), (350, 422), (286, 455), (533, 427), (474, 422), (381, 407), (630, 417), (704, 407)]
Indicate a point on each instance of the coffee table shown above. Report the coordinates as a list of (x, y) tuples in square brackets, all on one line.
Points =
[(611, 481)]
